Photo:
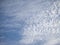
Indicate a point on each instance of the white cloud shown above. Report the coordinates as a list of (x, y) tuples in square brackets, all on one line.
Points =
[(40, 26), (40, 17), (52, 41)]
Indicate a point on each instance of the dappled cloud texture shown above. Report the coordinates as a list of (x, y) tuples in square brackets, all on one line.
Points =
[(30, 22)]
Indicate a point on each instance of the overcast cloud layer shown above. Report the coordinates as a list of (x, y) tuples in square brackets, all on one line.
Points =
[(29, 22)]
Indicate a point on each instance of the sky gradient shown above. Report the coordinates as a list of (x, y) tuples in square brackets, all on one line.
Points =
[(29, 22)]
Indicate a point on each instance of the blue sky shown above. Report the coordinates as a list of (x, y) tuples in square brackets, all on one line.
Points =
[(29, 22)]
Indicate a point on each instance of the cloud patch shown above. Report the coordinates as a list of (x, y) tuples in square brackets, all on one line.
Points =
[(35, 21), (42, 26)]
